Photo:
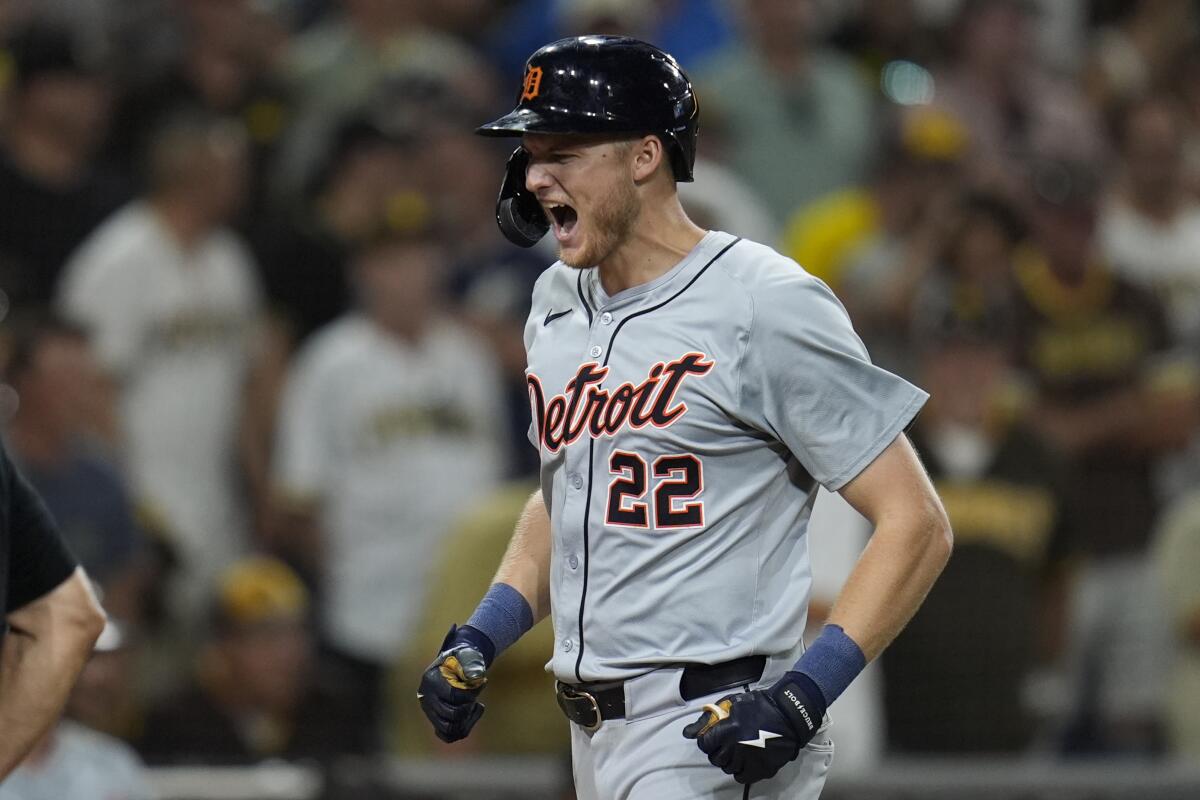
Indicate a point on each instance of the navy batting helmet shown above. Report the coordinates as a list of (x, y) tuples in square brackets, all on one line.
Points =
[(594, 84)]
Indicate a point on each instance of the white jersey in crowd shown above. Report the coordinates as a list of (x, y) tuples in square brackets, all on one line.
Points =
[(174, 326), (81, 763), (1160, 257), (394, 440)]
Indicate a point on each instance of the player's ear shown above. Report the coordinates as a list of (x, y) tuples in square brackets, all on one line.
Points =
[(646, 154)]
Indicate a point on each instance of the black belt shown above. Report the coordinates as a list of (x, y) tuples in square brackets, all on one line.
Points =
[(588, 704)]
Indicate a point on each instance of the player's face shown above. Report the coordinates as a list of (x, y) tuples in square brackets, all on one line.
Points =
[(586, 187)]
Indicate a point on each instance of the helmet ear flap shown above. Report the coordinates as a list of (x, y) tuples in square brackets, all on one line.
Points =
[(518, 212)]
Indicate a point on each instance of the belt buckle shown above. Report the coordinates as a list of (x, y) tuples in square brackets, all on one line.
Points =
[(568, 694)]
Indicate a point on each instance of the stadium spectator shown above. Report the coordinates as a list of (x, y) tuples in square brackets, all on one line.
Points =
[(1015, 109), (390, 427), (608, 17), (304, 253), (56, 111), (1149, 227), (76, 761), (791, 107), (1000, 489), (222, 66), (491, 280), (1135, 51), (916, 166), (1150, 233), (1177, 563), (57, 382), (169, 296), (980, 240), (338, 67), (690, 30), (881, 32), (1096, 350), (255, 695), (876, 244), (1185, 87)]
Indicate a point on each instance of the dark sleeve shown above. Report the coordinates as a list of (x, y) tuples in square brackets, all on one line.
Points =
[(38, 558)]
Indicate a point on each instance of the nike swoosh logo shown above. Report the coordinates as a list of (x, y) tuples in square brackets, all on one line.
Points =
[(551, 316), (761, 741)]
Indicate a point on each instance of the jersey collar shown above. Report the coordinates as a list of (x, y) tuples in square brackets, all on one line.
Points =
[(704, 250)]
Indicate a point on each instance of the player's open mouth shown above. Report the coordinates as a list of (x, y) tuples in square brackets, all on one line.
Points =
[(564, 219)]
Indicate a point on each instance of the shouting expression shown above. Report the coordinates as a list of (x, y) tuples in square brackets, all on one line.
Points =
[(588, 191)]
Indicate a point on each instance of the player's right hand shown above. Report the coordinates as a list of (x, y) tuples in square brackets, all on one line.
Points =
[(450, 688)]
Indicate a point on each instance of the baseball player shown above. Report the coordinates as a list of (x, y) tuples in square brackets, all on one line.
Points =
[(690, 390)]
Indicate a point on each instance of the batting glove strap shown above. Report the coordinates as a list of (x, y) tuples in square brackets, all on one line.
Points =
[(801, 702)]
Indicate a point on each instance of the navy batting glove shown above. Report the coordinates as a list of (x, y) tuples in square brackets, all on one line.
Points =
[(757, 733), (451, 685)]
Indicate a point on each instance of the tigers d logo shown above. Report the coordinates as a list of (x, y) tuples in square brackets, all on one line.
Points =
[(533, 83)]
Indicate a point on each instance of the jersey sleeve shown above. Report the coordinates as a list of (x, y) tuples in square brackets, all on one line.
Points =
[(807, 381), (38, 559)]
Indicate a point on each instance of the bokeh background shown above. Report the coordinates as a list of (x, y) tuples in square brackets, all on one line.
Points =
[(262, 356)]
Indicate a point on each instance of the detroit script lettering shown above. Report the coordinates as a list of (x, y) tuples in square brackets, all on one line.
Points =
[(586, 407)]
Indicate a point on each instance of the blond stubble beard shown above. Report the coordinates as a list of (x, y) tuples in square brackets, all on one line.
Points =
[(612, 225)]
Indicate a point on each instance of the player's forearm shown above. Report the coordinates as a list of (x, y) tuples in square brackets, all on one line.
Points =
[(893, 576), (47, 644), (520, 594), (526, 563)]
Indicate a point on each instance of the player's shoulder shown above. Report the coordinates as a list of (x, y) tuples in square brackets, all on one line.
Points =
[(779, 294), (767, 275)]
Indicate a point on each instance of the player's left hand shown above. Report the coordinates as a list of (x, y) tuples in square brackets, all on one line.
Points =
[(752, 735)]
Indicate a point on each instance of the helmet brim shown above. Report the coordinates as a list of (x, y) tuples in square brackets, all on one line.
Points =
[(515, 123), (527, 120)]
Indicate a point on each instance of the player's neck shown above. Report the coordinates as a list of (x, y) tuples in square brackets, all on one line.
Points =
[(660, 239)]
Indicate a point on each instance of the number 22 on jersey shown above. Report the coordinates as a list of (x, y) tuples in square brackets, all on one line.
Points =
[(678, 481)]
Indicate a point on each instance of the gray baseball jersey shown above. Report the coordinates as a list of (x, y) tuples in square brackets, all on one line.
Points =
[(683, 427)]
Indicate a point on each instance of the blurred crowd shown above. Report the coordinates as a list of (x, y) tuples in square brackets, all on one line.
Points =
[(262, 346)]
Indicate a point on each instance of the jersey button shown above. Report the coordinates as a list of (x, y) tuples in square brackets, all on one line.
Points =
[(577, 480), (606, 318), (573, 562), (596, 351), (567, 645)]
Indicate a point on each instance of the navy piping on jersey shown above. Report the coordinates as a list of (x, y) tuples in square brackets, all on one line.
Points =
[(579, 288), (587, 508)]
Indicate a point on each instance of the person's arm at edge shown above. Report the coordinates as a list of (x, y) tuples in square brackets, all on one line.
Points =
[(47, 644), (910, 546), (526, 563)]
